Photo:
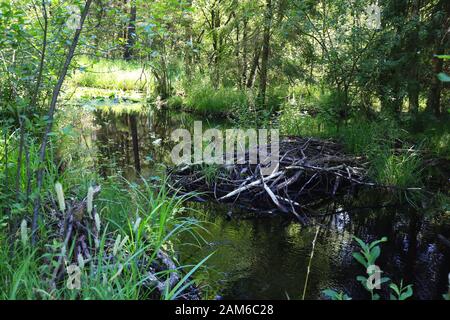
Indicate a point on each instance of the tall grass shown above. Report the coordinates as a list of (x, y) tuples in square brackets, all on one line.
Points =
[(147, 218)]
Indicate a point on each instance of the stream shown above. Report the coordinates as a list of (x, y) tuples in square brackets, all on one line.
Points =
[(267, 258)]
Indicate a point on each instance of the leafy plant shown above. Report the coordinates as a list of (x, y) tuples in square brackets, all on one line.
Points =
[(402, 293), (367, 257)]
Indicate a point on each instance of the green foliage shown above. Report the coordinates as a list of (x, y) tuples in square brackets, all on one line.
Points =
[(401, 292), (175, 102), (206, 99), (334, 295), (401, 170), (367, 257)]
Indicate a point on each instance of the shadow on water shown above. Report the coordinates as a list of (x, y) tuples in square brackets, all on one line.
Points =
[(267, 258)]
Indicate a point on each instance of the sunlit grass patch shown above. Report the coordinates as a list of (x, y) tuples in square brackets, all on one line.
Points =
[(111, 74)]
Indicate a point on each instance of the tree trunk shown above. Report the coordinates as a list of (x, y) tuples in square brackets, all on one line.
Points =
[(414, 84), (131, 33), (434, 95), (251, 76), (265, 54), (188, 58), (244, 54), (215, 21)]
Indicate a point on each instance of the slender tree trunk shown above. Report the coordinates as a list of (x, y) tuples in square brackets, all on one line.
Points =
[(434, 95), (265, 53), (251, 76), (215, 20), (244, 53), (188, 59), (34, 98), (131, 33), (29, 173), (414, 84), (50, 116)]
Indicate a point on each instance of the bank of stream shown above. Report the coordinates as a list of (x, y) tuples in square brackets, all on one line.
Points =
[(267, 258)]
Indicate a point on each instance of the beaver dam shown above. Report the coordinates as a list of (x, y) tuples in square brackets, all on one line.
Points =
[(309, 171)]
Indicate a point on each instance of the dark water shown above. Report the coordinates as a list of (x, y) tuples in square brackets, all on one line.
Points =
[(268, 258)]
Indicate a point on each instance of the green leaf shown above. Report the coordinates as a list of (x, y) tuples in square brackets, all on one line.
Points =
[(358, 257), (384, 280), (407, 294), (374, 254), (363, 281), (394, 287), (373, 244), (443, 77), (361, 243)]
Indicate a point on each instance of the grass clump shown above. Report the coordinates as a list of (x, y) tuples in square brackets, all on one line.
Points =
[(206, 99)]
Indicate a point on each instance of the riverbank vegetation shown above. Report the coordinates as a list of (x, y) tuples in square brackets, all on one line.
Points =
[(374, 81)]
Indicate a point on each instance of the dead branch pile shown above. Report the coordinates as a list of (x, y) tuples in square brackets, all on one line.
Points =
[(77, 229), (309, 170)]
